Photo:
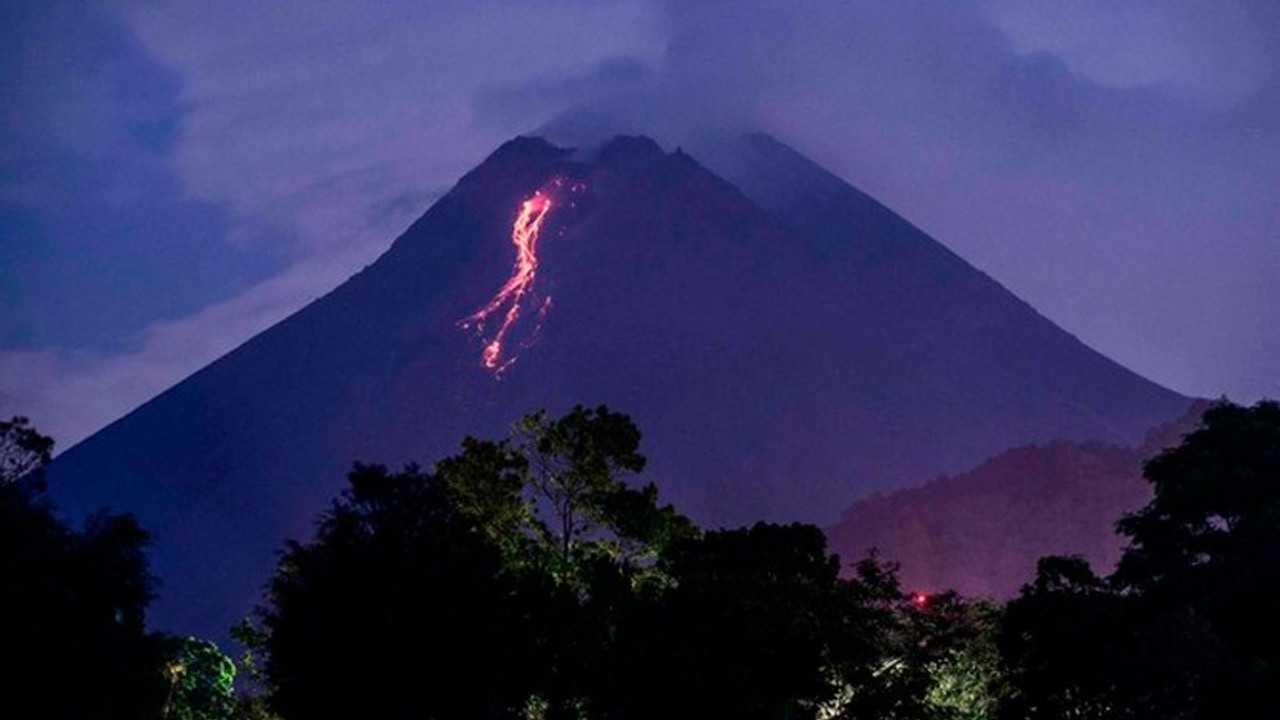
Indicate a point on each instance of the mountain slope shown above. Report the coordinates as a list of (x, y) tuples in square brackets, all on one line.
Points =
[(780, 364), (950, 320)]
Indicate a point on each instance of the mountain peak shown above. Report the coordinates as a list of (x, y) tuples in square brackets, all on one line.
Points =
[(527, 147), (628, 153)]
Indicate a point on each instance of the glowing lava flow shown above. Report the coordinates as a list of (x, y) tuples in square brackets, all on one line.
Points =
[(524, 235)]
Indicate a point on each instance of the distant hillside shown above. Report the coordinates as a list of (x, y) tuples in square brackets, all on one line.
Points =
[(981, 532)]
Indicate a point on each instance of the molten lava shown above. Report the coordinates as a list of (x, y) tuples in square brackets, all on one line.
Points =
[(524, 235)]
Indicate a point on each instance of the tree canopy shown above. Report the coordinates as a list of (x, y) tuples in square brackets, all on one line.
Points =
[(532, 577), (201, 681), (23, 450), (537, 577), (72, 602), (478, 590), (1185, 627)]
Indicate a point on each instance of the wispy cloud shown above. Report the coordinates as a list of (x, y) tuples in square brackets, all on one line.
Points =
[(70, 393), (1211, 52), (308, 113)]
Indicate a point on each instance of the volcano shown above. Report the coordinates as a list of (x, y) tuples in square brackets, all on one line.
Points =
[(786, 343)]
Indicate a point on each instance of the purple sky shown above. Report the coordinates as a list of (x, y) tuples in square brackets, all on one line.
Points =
[(178, 176)]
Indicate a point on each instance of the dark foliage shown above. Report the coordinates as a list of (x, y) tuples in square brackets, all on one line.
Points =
[(753, 625), (1185, 628), (526, 578), (72, 637), (399, 610), (917, 643), (201, 681), (485, 589), (1069, 643), (24, 451), (1204, 560)]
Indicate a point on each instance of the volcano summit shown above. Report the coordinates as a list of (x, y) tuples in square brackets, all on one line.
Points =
[(786, 343)]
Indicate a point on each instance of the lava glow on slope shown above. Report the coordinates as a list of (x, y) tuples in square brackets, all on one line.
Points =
[(525, 232)]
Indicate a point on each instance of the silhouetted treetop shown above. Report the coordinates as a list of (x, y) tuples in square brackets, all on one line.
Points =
[(23, 450), (1186, 627), (73, 642), (1217, 499)]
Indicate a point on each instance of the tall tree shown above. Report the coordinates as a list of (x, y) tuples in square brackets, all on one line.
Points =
[(484, 589), (201, 681), (575, 481), (23, 450), (72, 602), (527, 577), (755, 625), (1185, 627), (1071, 648), (1204, 557), (398, 609)]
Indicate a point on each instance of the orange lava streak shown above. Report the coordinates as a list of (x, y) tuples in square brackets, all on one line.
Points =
[(524, 235)]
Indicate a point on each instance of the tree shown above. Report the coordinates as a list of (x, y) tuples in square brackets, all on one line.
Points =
[(398, 609), (487, 588), (1070, 648), (23, 450), (967, 682), (929, 655), (202, 681), (253, 696), (754, 624), (1204, 560), (528, 578), (1185, 626), (1216, 505), (72, 602), (757, 623), (574, 479)]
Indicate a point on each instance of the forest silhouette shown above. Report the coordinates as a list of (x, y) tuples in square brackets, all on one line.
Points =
[(536, 577)]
